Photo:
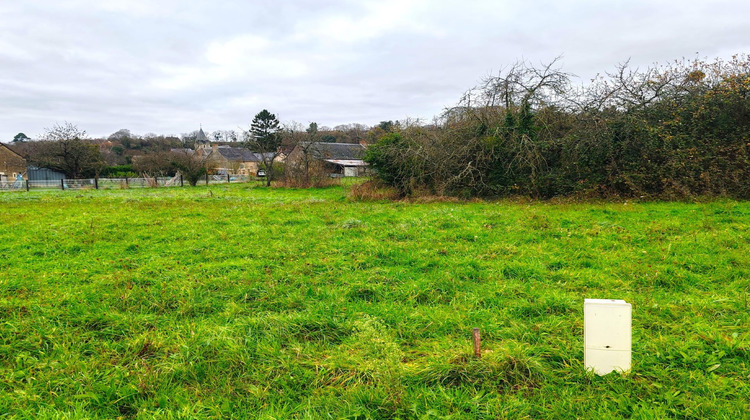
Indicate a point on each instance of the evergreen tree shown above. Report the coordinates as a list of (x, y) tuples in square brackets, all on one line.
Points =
[(264, 138), (20, 138)]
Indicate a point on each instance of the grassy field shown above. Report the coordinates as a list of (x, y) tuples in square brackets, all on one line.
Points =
[(245, 302)]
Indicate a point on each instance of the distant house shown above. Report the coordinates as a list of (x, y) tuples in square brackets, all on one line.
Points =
[(342, 159), (182, 150), (234, 160), (11, 164)]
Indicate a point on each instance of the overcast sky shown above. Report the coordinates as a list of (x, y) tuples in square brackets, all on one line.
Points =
[(166, 66)]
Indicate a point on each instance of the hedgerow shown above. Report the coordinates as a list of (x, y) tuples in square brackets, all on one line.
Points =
[(670, 132)]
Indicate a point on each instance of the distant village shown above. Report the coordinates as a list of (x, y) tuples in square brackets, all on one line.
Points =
[(343, 159), (336, 152)]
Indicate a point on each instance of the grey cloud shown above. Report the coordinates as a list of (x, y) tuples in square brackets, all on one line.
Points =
[(167, 66)]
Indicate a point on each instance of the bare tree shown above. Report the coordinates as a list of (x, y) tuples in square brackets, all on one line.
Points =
[(504, 107), (191, 165), (301, 167), (225, 136), (64, 148), (159, 163)]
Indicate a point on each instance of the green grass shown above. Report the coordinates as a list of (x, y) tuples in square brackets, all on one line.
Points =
[(246, 302)]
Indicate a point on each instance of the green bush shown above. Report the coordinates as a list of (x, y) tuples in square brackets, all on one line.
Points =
[(118, 171)]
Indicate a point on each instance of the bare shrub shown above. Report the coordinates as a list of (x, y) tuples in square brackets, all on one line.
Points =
[(307, 174), (151, 181), (373, 190)]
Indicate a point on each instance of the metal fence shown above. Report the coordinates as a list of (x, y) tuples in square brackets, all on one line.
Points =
[(121, 183)]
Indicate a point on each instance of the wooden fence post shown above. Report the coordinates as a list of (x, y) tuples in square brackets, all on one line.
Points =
[(206, 178), (229, 181), (96, 183), (62, 184), (27, 185), (477, 343), (181, 183)]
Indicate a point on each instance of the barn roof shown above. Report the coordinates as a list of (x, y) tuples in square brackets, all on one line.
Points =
[(238, 154), (241, 154), (337, 151)]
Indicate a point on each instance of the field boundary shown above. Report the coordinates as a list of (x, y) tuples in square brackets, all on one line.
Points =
[(121, 183)]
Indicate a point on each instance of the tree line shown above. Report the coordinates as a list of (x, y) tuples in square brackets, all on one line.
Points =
[(68, 149), (668, 131)]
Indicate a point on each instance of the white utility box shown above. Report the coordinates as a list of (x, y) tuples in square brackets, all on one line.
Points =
[(607, 338)]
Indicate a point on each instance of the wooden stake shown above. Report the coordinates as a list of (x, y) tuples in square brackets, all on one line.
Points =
[(477, 343)]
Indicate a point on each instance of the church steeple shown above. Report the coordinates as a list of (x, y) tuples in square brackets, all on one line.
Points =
[(201, 141), (201, 137)]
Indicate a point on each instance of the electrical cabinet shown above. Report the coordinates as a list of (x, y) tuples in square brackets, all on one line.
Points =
[(607, 335)]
